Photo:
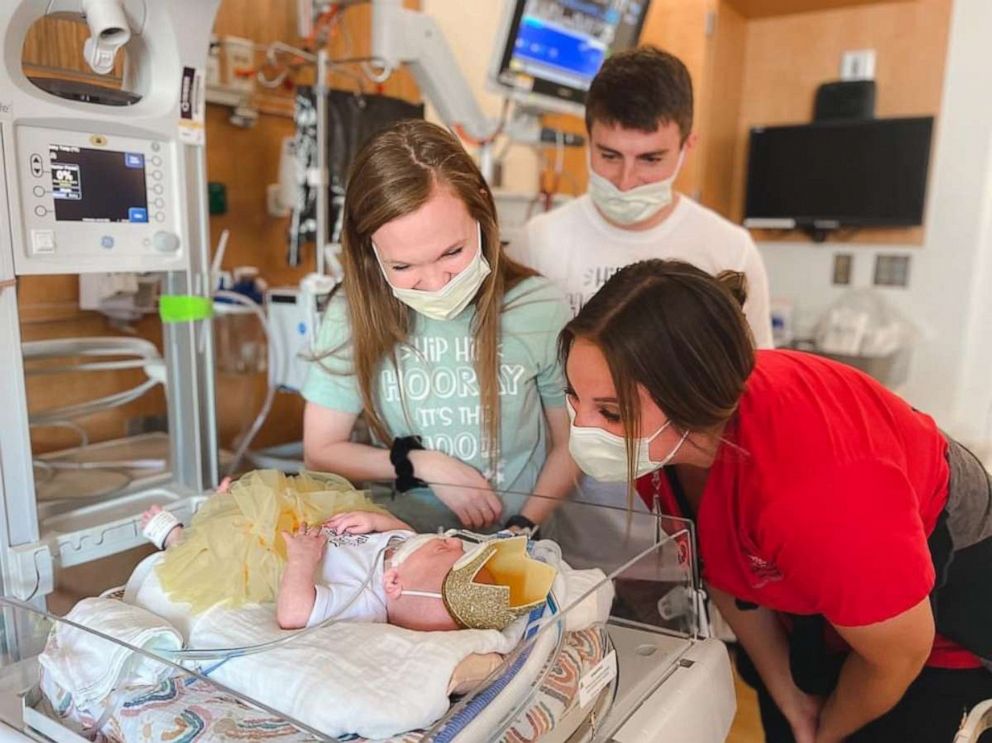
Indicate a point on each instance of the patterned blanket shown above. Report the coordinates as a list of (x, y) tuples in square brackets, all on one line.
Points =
[(186, 710)]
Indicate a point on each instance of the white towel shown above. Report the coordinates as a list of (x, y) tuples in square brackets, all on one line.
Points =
[(90, 667)]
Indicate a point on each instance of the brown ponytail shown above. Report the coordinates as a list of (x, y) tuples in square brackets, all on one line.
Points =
[(734, 282)]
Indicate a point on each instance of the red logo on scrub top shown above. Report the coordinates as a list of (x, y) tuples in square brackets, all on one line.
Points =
[(763, 570)]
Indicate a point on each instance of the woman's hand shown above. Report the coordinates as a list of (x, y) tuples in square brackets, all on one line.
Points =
[(306, 547), (459, 486)]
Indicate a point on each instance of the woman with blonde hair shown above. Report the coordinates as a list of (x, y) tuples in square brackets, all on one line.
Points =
[(445, 345)]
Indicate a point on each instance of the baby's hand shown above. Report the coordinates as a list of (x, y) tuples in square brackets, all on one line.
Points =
[(172, 537), (148, 515), (353, 522), (306, 546)]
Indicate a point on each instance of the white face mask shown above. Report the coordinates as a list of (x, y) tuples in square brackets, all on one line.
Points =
[(448, 301), (603, 455), (637, 204)]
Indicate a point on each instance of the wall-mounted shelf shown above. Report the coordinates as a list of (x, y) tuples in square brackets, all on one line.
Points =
[(771, 8)]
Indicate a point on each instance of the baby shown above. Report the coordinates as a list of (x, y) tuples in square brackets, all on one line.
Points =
[(369, 567), (407, 572)]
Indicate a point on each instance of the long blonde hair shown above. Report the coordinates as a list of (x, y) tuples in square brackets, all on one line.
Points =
[(395, 174)]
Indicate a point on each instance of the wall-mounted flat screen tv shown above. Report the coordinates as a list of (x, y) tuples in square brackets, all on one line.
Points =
[(856, 173)]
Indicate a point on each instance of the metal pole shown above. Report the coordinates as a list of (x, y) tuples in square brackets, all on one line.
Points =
[(320, 92), (487, 165)]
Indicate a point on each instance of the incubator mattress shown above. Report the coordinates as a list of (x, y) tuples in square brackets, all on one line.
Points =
[(189, 710)]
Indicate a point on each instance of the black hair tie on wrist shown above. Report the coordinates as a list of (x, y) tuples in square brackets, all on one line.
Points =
[(399, 456), (522, 522)]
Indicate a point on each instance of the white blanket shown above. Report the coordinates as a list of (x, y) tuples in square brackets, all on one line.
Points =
[(376, 680), (372, 679), (91, 667)]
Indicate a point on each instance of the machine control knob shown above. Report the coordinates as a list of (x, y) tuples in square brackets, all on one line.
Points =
[(165, 242)]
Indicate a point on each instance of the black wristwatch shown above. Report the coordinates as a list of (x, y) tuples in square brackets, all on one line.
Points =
[(399, 456), (522, 522)]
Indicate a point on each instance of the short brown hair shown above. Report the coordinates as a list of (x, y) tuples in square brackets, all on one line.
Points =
[(641, 89), (676, 331)]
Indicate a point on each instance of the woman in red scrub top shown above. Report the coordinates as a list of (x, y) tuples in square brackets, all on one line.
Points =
[(846, 539)]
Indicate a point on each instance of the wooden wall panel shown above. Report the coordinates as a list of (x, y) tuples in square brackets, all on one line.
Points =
[(769, 8), (262, 21), (788, 57), (54, 46), (679, 27), (245, 160), (723, 94)]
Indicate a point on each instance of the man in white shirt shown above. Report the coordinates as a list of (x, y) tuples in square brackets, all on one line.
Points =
[(639, 120), (639, 114)]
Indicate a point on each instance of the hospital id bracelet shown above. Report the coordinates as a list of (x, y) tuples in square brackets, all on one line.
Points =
[(159, 527), (399, 456)]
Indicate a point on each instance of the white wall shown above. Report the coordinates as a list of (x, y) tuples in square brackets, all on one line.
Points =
[(949, 296)]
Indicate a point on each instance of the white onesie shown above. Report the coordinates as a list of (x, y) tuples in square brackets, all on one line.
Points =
[(345, 572)]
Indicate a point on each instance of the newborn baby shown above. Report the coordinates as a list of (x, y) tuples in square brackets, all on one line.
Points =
[(362, 566), (396, 574), (259, 542)]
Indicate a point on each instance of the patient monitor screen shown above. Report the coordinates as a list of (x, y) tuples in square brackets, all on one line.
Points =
[(98, 185), (566, 41)]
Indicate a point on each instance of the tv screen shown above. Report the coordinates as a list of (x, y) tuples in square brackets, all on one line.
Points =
[(870, 172)]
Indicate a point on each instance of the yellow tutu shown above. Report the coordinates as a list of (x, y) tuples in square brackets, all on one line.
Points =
[(233, 551)]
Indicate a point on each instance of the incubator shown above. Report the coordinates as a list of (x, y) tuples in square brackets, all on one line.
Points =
[(615, 654)]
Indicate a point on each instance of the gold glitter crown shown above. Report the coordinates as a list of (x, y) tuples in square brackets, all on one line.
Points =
[(519, 584)]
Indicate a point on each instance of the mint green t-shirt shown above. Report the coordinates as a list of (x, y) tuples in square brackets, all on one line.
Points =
[(434, 392)]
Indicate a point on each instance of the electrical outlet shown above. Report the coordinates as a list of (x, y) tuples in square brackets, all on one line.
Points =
[(843, 264), (858, 65), (891, 270)]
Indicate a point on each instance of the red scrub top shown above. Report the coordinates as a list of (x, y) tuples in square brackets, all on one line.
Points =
[(822, 497)]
